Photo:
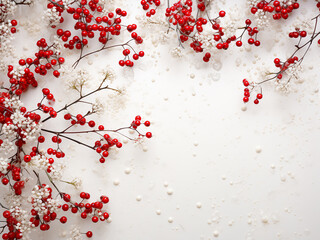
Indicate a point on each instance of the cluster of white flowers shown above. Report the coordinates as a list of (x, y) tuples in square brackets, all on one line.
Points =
[(21, 215), (294, 73), (3, 165), (13, 103), (108, 73), (262, 19), (98, 107), (176, 52), (40, 161), (231, 22), (76, 182), (5, 38), (29, 129), (51, 15), (56, 171), (151, 22), (57, 44), (75, 234), (117, 100), (38, 194), (206, 38), (7, 7), (283, 86), (6, 147), (303, 25), (76, 80)]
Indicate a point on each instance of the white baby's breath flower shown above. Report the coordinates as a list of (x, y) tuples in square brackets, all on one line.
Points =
[(75, 234), (98, 107), (108, 73), (3, 165), (41, 200), (76, 182)]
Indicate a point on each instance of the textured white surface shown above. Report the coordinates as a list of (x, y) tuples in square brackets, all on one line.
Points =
[(212, 170)]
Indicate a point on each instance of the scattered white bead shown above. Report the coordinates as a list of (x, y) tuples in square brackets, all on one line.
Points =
[(265, 220), (258, 149), (216, 233), (116, 182), (127, 171)]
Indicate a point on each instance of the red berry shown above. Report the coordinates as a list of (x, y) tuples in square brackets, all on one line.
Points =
[(222, 13), (259, 96), (148, 134)]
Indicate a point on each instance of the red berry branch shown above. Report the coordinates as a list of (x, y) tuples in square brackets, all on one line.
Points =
[(147, 5), (190, 24), (278, 9), (29, 148), (288, 68), (91, 22)]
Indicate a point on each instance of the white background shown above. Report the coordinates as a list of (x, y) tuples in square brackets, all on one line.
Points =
[(204, 145)]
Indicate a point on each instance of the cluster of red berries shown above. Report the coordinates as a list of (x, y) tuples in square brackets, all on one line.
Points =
[(276, 8), (126, 61), (102, 146), (180, 14), (252, 33), (146, 5), (247, 93), (14, 23), (93, 209), (16, 176), (137, 122), (42, 221), (46, 109), (93, 24), (26, 126), (6, 118), (284, 65), (11, 221), (45, 59), (297, 34)]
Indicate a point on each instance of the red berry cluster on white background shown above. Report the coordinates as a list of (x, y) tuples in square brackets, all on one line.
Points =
[(92, 23), (31, 148), (278, 9), (147, 5), (189, 22), (288, 69)]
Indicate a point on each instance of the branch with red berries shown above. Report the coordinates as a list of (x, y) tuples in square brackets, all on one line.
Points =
[(91, 23), (189, 23), (288, 69), (31, 148)]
